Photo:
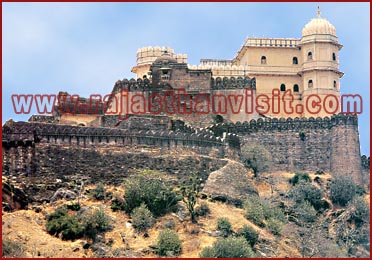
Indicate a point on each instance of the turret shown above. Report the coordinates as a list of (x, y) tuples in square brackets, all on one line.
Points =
[(320, 67)]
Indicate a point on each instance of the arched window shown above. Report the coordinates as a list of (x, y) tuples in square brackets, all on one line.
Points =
[(295, 61), (309, 55), (263, 60), (296, 88), (334, 84), (334, 56), (282, 87), (310, 83)]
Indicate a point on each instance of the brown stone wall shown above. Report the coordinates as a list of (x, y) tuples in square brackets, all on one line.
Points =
[(326, 144), (62, 165)]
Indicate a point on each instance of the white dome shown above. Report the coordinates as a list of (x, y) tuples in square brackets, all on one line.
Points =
[(318, 26)]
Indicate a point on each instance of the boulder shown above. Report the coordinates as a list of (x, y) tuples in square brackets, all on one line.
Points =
[(230, 183)]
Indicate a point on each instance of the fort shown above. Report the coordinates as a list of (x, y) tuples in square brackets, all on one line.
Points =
[(302, 142)]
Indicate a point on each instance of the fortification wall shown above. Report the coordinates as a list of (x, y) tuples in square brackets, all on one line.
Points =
[(321, 144), (326, 144)]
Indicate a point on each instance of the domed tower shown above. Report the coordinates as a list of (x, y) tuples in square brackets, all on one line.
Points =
[(320, 68)]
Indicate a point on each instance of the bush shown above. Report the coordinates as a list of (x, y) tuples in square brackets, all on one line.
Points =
[(231, 247), (158, 197), (72, 227), (299, 177), (117, 204), (249, 234), (359, 211), (99, 192), (207, 252), (99, 220), (256, 157), (60, 222), (73, 206), (12, 249), (224, 225), (271, 211), (254, 211), (307, 192), (202, 210), (275, 226), (142, 218), (304, 211), (342, 190), (169, 243)]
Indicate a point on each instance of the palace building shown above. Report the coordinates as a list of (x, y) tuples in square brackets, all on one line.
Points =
[(308, 66)]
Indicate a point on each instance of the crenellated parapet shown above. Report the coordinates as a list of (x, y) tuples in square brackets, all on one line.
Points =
[(83, 136), (284, 124), (131, 85), (233, 83)]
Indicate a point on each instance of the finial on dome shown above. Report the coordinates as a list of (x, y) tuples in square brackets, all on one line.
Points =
[(318, 12)]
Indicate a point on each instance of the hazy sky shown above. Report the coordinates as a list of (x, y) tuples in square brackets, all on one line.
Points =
[(84, 48)]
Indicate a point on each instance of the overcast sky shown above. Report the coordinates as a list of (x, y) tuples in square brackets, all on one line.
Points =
[(84, 48)]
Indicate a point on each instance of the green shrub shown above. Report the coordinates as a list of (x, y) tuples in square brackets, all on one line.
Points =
[(158, 197), (202, 210), (117, 204), (249, 234), (224, 226), (342, 190), (256, 157), (231, 247), (12, 249), (73, 206), (60, 222), (304, 211), (359, 211), (72, 227), (99, 219), (169, 243), (307, 192), (271, 211), (299, 177), (254, 211), (142, 218), (100, 193), (94, 222), (207, 252), (275, 226)]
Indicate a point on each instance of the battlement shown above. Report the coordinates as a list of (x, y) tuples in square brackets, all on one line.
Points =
[(18, 133), (284, 124), (215, 62), (233, 83), (272, 42), (132, 85)]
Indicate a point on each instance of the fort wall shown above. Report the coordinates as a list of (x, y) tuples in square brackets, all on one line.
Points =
[(321, 144)]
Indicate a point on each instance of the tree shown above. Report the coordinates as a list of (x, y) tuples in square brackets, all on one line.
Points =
[(256, 157), (342, 190), (189, 195)]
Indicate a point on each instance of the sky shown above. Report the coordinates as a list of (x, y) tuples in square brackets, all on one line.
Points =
[(84, 48)]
